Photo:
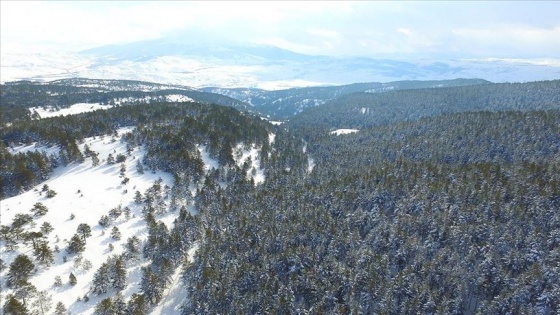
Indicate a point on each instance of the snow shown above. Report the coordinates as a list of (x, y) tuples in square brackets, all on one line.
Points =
[(34, 147), (209, 163), (310, 160), (343, 131), (271, 121), (203, 71), (243, 154), (178, 98), (87, 192), (175, 294), (45, 112), (271, 138)]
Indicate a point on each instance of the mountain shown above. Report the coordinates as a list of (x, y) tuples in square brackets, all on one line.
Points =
[(282, 104), (227, 54), (200, 63)]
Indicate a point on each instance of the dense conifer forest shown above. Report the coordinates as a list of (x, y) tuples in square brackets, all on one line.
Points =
[(445, 201)]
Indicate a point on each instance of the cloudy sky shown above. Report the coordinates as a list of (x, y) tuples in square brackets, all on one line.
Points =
[(367, 28)]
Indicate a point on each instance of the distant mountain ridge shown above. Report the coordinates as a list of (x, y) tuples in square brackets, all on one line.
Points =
[(283, 104), (199, 62)]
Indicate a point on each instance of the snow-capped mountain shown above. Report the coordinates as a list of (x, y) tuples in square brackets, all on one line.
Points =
[(184, 62)]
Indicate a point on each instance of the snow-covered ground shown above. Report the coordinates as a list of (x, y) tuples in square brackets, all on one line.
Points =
[(175, 294), (84, 193), (242, 154), (87, 192), (178, 98), (343, 131), (45, 112)]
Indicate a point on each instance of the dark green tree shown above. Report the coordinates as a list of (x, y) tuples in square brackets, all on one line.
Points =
[(14, 307), (84, 230), (72, 279), (105, 307), (60, 309), (39, 209), (20, 271), (76, 245)]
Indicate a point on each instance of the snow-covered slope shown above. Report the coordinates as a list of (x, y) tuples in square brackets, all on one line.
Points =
[(83, 193)]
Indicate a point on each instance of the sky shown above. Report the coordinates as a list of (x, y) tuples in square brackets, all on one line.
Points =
[(500, 29)]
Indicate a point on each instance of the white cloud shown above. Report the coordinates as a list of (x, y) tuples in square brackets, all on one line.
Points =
[(503, 29)]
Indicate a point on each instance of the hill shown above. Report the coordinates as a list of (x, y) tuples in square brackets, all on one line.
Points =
[(17, 98), (283, 104)]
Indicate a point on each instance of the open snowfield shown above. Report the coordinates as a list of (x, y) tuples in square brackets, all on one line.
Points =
[(87, 192)]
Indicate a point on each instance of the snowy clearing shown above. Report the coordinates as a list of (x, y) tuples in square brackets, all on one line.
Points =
[(45, 112), (251, 155), (343, 131), (178, 98)]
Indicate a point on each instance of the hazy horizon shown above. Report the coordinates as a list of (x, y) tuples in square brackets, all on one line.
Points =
[(361, 29)]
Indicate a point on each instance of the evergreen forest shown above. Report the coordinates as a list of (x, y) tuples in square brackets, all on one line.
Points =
[(443, 201)]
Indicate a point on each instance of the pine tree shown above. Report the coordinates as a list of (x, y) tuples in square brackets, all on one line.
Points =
[(120, 304), (43, 253), (137, 197), (43, 303), (51, 193), (72, 279), (94, 159), (39, 209), (105, 307), (84, 230), (119, 273), (60, 309), (132, 247), (20, 270), (110, 159), (115, 233), (14, 307), (122, 170), (104, 221), (25, 292), (101, 280), (46, 228), (149, 286), (137, 305), (57, 281), (76, 245)]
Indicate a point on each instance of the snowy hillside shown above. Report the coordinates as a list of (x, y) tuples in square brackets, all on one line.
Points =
[(82, 194)]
